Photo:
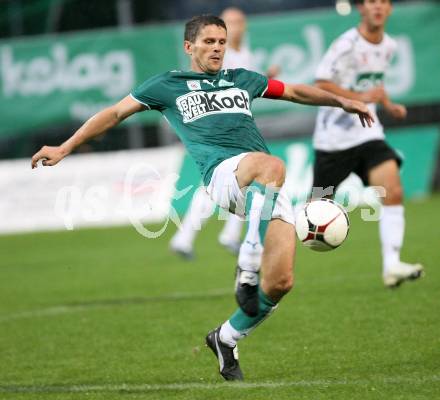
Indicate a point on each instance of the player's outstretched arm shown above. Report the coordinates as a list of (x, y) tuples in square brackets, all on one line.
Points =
[(374, 95), (96, 125), (377, 94), (306, 94)]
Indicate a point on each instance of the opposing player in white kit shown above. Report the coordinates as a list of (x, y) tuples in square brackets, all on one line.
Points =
[(238, 55), (354, 67)]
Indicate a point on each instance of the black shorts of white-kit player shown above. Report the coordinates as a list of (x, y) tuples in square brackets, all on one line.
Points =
[(331, 168)]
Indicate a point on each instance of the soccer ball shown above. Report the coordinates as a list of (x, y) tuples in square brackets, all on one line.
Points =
[(322, 225)]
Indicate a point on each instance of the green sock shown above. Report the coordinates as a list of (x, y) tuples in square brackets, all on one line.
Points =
[(270, 197), (245, 324), (239, 320)]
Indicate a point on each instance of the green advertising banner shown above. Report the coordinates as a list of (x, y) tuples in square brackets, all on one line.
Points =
[(418, 147), (297, 42), (55, 79)]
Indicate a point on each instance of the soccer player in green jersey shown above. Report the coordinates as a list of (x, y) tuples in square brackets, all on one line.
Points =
[(210, 110)]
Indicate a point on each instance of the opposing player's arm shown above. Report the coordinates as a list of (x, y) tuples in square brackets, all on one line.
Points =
[(95, 126), (395, 110), (306, 94)]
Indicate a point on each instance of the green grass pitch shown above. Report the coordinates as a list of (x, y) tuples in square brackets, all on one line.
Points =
[(108, 314)]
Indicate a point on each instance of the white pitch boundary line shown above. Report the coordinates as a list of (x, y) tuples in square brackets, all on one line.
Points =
[(106, 303), (212, 386)]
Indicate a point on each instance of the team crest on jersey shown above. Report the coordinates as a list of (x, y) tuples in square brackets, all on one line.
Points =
[(193, 85), (195, 105), (224, 83)]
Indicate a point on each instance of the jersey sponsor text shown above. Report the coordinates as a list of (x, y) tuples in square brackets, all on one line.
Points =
[(196, 105)]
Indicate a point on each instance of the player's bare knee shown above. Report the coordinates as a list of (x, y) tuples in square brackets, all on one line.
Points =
[(394, 195), (263, 168), (274, 171)]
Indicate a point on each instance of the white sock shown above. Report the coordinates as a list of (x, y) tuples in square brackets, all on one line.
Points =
[(231, 232), (229, 336), (251, 250), (201, 208), (391, 228)]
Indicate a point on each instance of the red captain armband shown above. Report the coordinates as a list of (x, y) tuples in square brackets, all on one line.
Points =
[(275, 89)]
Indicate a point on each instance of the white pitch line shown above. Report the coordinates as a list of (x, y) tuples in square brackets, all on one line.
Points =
[(211, 386), (105, 303)]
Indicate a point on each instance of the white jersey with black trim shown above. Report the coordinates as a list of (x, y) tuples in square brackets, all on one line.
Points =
[(354, 64)]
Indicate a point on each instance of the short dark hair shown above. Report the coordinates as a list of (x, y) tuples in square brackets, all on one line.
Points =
[(195, 24)]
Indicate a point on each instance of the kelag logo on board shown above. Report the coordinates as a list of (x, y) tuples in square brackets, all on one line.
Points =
[(112, 72), (199, 104)]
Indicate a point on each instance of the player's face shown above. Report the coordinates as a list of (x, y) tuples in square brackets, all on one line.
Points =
[(208, 49), (375, 12)]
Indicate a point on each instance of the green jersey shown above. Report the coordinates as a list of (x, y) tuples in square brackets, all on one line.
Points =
[(211, 113)]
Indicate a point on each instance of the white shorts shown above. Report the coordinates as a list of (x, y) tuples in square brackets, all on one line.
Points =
[(223, 189), (283, 208)]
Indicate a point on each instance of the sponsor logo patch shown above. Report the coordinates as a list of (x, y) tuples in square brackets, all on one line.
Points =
[(193, 85), (196, 105)]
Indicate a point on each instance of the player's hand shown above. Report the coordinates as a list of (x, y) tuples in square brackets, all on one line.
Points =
[(50, 155), (359, 108), (397, 111), (375, 95)]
